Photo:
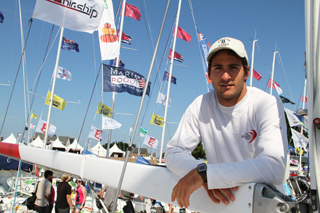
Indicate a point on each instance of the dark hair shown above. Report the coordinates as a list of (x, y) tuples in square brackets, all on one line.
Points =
[(47, 173), (80, 181), (230, 52)]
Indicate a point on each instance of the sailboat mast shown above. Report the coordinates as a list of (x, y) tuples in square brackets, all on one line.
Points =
[(312, 51), (169, 81), (117, 65), (272, 72), (53, 87), (252, 60)]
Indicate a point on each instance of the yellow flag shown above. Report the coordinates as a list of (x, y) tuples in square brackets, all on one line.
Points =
[(34, 116), (58, 102), (157, 120), (103, 110)]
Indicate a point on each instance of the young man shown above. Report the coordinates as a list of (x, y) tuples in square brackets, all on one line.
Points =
[(243, 131), (64, 203), (43, 193)]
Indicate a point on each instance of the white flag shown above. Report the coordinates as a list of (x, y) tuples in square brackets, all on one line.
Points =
[(109, 123), (299, 140), (108, 39), (292, 118), (42, 127), (32, 126), (95, 133), (162, 99), (64, 74), (279, 90), (79, 15), (150, 141)]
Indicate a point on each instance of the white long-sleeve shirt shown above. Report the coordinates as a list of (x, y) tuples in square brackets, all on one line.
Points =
[(244, 143)]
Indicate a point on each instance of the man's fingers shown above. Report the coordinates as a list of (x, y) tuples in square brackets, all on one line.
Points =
[(227, 193), (210, 194), (218, 194), (235, 188)]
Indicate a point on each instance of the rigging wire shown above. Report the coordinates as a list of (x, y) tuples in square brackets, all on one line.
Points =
[(94, 86), (264, 61), (284, 72), (39, 75), (15, 80), (158, 74)]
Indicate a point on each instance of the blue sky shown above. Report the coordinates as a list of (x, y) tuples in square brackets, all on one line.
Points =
[(279, 25)]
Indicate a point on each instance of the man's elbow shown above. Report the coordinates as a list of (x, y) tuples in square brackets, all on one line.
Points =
[(278, 174)]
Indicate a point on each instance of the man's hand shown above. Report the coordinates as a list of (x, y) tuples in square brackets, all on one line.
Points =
[(193, 181), (223, 195), (185, 187)]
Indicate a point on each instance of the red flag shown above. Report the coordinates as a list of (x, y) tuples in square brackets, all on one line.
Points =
[(183, 34), (132, 11), (256, 75), (176, 56), (304, 99), (274, 83)]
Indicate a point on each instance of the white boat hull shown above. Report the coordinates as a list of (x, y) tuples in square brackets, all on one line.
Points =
[(146, 180)]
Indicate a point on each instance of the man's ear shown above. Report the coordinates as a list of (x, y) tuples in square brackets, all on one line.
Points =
[(246, 73), (209, 76)]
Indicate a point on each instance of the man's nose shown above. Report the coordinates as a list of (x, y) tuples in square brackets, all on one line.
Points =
[(225, 75)]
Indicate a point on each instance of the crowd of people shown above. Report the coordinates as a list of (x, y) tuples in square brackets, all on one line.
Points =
[(45, 194), (65, 202)]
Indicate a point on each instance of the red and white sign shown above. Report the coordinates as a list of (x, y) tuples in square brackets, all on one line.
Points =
[(95, 133), (42, 126), (150, 141)]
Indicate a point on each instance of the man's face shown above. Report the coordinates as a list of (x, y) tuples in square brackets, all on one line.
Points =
[(228, 78), (50, 177)]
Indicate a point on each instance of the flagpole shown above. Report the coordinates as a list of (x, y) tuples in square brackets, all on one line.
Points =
[(53, 87), (140, 109), (252, 60), (117, 65), (169, 81), (272, 72)]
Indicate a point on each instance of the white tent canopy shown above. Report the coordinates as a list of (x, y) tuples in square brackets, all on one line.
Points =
[(99, 150), (58, 145), (37, 142), (10, 139), (75, 146), (115, 151)]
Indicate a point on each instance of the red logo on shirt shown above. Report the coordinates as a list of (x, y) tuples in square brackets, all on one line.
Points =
[(253, 134), (250, 136)]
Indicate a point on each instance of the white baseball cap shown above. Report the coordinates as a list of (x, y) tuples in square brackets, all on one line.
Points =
[(228, 43)]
